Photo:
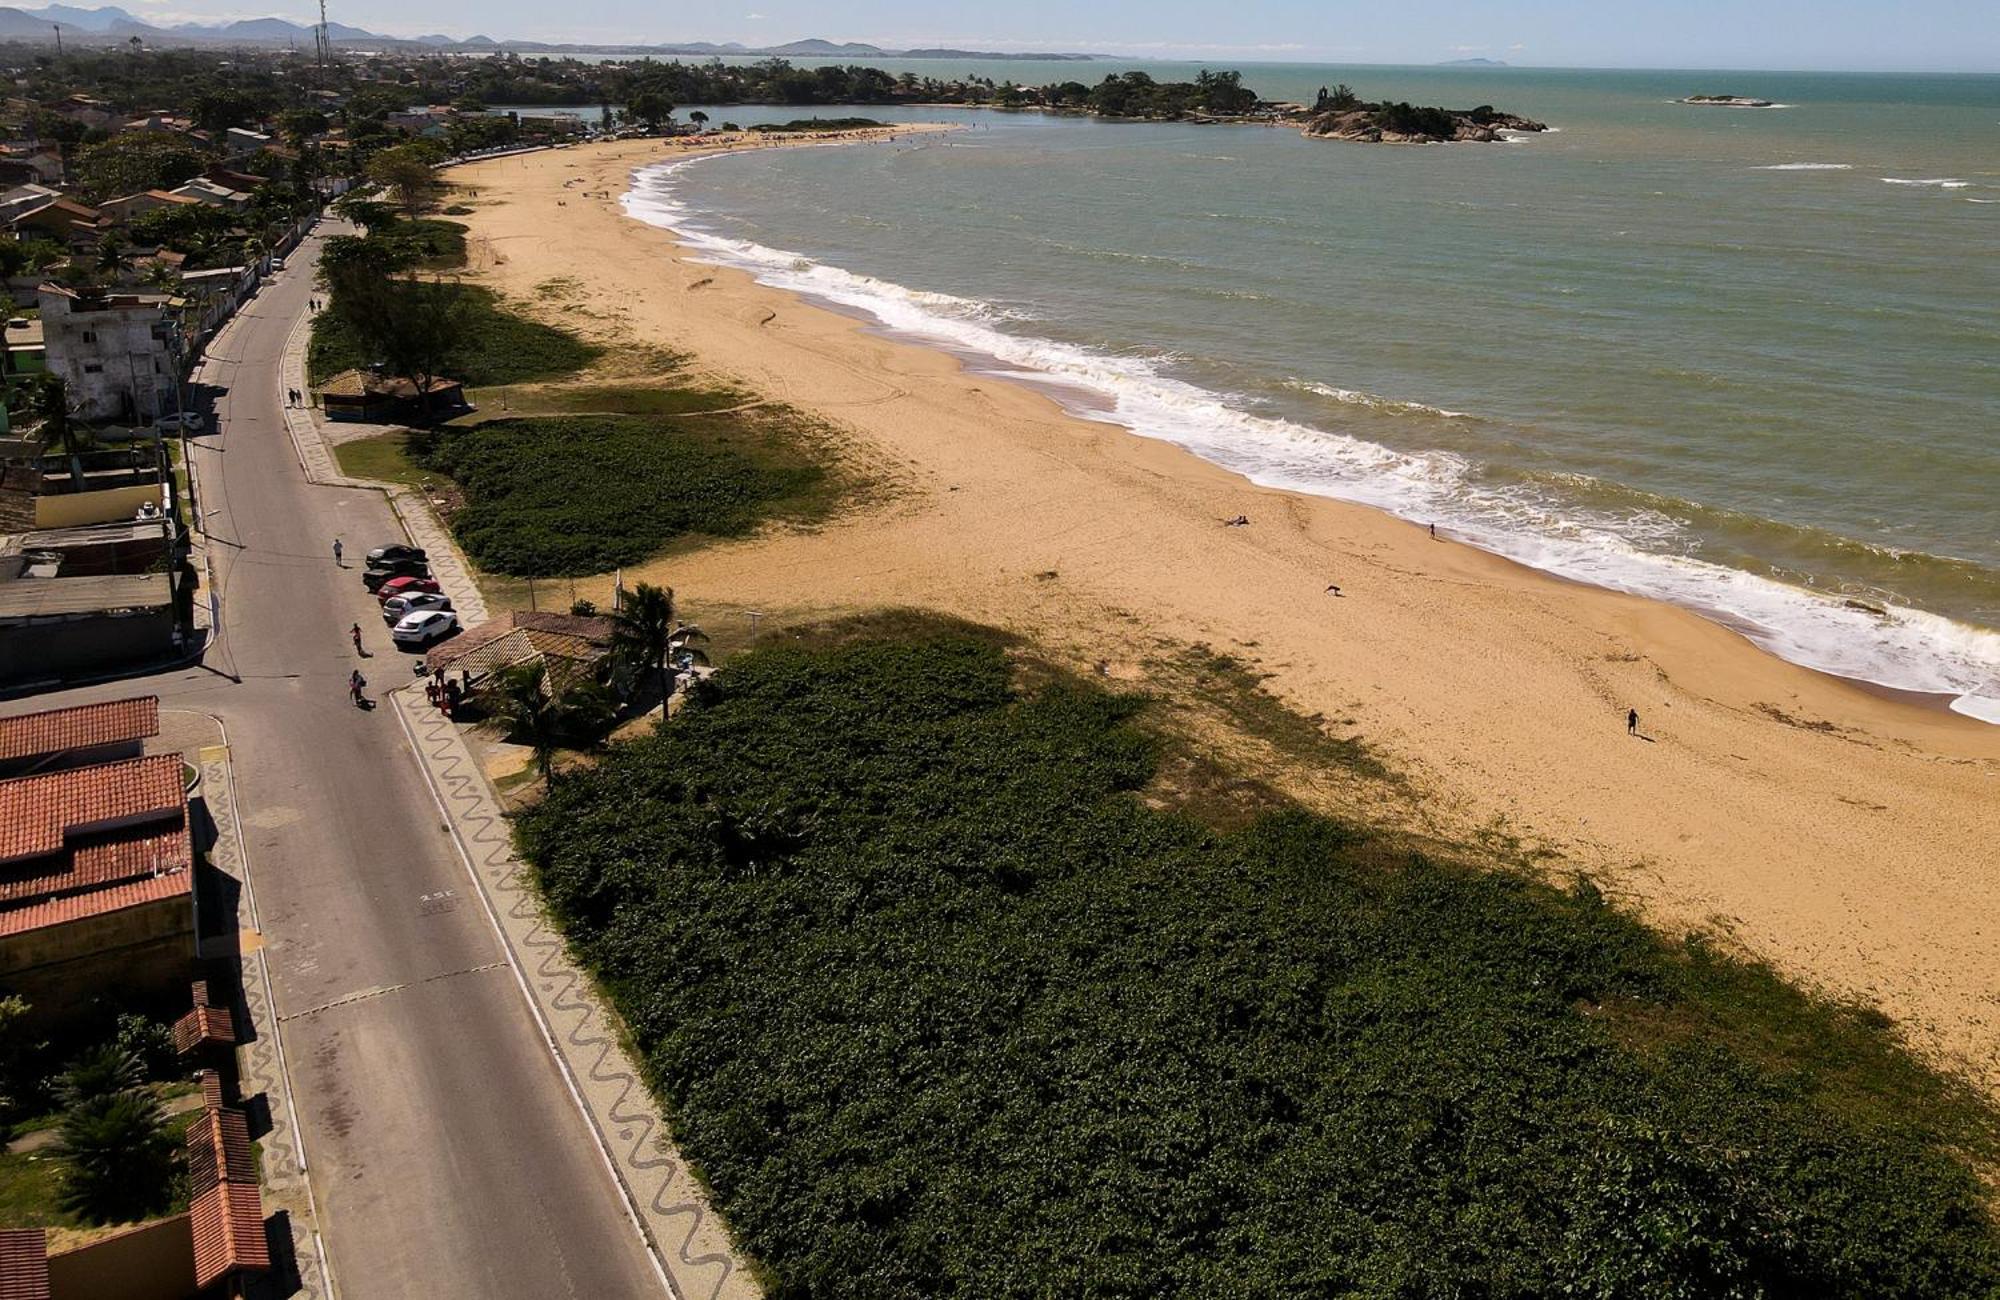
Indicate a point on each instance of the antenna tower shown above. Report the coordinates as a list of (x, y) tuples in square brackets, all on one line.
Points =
[(320, 42)]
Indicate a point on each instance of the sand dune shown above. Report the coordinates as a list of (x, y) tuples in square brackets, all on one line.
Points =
[(1852, 839)]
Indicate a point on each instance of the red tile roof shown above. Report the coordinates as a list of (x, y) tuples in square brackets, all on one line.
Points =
[(227, 1221), (95, 902), (54, 731), (204, 1027), (218, 1150), (211, 1087), (24, 1264), (153, 851), (37, 813)]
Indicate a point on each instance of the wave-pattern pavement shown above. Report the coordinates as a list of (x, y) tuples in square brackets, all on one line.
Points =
[(687, 1235)]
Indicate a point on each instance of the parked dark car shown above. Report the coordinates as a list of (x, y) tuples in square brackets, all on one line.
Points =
[(377, 574), (395, 551)]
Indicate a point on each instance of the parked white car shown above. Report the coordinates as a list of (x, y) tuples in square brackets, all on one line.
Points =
[(423, 627), (397, 608)]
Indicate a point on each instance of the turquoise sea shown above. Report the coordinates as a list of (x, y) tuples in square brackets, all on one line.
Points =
[(1745, 360)]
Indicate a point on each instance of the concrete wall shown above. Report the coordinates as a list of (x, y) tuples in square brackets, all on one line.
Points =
[(104, 506), (58, 649), (136, 952), (154, 1261)]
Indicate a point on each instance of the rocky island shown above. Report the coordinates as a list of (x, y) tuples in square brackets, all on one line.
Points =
[(1339, 114), (1726, 101)]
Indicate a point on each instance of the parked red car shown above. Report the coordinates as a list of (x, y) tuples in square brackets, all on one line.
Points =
[(405, 586)]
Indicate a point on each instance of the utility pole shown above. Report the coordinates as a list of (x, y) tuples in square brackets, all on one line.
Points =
[(321, 44), (58, 27)]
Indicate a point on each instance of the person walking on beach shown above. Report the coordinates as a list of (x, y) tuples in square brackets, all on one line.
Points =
[(1631, 722), (336, 553)]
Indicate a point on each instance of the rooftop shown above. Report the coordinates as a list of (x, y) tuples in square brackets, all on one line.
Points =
[(84, 726), (358, 384), (228, 1225), (24, 1264), (218, 1150), (92, 840), (54, 597)]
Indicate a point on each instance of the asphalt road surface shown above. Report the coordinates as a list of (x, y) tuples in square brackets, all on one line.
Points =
[(446, 1152)]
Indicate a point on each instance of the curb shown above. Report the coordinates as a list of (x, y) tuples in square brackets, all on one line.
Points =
[(651, 1177)]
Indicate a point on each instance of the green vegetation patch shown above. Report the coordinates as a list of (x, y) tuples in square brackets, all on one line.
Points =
[(574, 495), (384, 458), (799, 124), (499, 346), (939, 1006)]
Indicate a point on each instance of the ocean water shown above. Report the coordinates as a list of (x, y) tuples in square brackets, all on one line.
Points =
[(1743, 360)]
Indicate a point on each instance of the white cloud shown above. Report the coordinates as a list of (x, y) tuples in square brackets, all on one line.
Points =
[(755, 18)]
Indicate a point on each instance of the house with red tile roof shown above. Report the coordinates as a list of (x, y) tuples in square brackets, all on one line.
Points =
[(77, 736), (96, 883)]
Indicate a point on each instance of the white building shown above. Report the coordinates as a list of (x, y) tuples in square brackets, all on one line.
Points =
[(203, 190), (115, 351)]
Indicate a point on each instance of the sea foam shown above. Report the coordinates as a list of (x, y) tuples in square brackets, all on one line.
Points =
[(1903, 648), (1806, 167)]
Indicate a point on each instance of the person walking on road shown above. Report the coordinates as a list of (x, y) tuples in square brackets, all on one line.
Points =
[(355, 631), (355, 683), (337, 553)]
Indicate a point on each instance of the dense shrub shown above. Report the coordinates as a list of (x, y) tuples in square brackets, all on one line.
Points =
[(500, 346), (938, 1007), (583, 494)]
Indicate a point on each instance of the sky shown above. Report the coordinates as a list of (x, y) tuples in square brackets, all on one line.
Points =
[(1920, 35)]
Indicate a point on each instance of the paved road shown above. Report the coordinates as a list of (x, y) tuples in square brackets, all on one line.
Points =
[(446, 1152)]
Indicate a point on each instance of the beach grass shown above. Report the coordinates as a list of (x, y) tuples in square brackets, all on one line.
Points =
[(573, 495), (664, 396), (942, 994)]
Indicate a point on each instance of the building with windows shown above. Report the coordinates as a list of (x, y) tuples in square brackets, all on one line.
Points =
[(117, 352)]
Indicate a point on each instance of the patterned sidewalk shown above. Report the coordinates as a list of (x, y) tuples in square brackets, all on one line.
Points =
[(420, 522), (686, 1235), (260, 1065)]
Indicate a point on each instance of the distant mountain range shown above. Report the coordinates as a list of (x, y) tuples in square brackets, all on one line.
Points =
[(1473, 63), (110, 25)]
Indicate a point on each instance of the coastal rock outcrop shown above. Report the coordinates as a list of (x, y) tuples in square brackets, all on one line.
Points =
[(1390, 123)]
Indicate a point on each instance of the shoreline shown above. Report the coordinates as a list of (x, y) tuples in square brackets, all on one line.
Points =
[(1819, 823)]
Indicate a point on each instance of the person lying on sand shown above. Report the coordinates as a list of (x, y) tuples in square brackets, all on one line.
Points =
[(1241, 521)]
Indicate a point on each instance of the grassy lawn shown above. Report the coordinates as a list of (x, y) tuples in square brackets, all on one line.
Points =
[(31, 1191), (384, 457), (578, 495), (941, 1001)]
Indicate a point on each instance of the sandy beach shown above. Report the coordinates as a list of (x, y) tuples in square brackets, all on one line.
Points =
[(1849, 837)]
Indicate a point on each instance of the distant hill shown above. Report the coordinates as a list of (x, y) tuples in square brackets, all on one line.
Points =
[(1472, 63), (828, 48), (89, 20), (109, 23)]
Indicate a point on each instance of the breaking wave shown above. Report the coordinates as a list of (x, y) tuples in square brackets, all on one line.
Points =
[(1533, 524)]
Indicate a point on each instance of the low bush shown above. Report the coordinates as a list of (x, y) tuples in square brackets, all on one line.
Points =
[(938, 1007), (574, 495)]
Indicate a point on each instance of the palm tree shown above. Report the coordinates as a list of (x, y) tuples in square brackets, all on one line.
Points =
[(542, 717), (646, 632), (118, 1155), (102, 1072), (51, 402)]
